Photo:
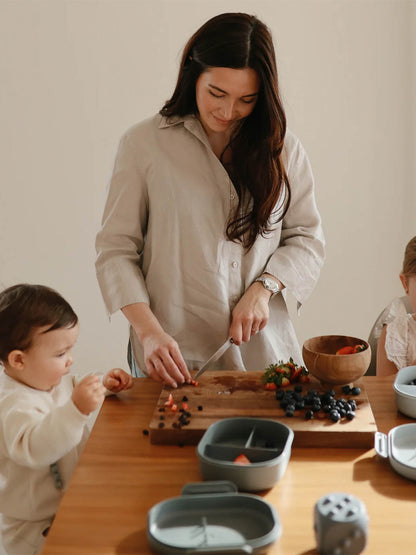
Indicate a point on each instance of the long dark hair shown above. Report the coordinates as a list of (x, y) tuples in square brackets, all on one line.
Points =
[(239, 40)]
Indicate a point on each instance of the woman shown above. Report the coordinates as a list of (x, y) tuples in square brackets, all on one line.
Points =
[(207, 199)]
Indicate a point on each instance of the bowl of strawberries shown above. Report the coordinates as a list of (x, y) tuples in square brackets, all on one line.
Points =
[(336, 359)]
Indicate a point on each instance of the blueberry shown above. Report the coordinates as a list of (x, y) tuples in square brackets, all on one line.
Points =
[(346, 389), (352, 404), (279, 394), (289, 412), (308, 414), (334, 415), (350, 414), (355, 391)]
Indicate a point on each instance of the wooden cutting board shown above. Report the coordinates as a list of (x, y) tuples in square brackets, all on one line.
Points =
[(229, 394)]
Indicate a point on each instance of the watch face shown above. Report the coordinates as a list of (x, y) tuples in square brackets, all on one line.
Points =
[(271, 285)]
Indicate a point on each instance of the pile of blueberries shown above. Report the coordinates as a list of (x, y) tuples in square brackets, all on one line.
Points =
[(314, 402)]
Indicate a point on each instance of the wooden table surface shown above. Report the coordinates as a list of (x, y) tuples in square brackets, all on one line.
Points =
[(120, 476)]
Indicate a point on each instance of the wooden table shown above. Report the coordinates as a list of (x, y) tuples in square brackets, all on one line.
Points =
[(120, 476)]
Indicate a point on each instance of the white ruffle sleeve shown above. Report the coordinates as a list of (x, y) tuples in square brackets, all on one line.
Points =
[(401, 341)]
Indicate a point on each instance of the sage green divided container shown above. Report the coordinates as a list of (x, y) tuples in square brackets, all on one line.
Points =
[(266, 443), (212, 517)]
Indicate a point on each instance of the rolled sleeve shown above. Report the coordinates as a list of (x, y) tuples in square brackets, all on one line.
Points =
[(119, 243)]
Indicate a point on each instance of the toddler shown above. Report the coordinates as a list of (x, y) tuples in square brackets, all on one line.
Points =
[(396, 347), (44, 410)]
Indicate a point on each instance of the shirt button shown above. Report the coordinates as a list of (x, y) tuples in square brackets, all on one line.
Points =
[(234, 264), (232, 196)]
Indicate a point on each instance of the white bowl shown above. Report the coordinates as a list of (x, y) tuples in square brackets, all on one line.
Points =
[(400, 448), (404, 392)]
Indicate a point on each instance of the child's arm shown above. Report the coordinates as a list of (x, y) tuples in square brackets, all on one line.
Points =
[(35, 436), (385, 367), (116, 380)]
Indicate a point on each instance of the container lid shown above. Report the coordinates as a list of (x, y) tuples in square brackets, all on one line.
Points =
[(212, 517), (400, 448)]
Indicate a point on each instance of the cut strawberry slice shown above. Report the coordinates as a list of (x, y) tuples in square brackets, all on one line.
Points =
[(169, 402), (241, 459)]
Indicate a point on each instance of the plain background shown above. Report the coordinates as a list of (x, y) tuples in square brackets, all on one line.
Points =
[(76, 74)]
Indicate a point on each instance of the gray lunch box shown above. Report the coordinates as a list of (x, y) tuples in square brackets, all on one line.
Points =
[(212, 517), (266, 443)]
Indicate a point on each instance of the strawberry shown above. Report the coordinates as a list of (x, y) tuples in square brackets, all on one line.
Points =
[(169, 402), (241, 459), (270, 385), (297, 372), (347, 350)]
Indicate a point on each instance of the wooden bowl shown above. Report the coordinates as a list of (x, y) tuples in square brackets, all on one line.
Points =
[(320, 358)]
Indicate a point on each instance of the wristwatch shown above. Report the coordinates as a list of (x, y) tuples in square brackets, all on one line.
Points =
[(269, 283)]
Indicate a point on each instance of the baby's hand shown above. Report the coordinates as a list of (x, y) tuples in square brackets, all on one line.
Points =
[(117, 379), (88, 394)]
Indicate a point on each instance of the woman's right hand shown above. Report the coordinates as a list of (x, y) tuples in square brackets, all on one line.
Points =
[(163, 359)]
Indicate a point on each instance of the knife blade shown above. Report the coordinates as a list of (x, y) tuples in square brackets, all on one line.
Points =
[(215, 357)]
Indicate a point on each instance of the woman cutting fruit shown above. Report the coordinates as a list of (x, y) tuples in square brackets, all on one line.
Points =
[(211, 214)]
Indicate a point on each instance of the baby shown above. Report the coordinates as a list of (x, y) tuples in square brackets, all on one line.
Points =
[(44, 411), (396, 347)]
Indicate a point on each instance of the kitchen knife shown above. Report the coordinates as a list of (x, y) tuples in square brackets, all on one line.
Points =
[(215, 357)]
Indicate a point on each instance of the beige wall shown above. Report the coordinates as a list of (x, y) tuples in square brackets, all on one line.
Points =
[(75, 74)]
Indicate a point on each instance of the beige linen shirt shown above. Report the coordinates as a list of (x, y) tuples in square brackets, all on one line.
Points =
[(163, 242)]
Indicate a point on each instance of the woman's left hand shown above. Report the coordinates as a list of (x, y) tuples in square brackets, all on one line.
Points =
[(250, 314)]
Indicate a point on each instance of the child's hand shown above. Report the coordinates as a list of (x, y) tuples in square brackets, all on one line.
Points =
[(117, 379), (88, 394)]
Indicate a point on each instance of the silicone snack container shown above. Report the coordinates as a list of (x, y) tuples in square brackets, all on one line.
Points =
[(212, 517), (266, 443), (400, 448), (404, 392)]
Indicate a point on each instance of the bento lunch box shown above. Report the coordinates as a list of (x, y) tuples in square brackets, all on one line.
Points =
[(212, 517), (266, 444), (399, 446), (404, 392)]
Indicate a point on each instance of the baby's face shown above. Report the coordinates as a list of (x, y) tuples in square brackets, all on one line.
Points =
[(49, 357)]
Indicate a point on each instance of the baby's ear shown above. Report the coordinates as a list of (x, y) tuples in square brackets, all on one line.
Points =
[(15, 359), (403, 279)]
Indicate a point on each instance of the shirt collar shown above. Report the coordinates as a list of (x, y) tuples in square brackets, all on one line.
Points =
[(190, 122)]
